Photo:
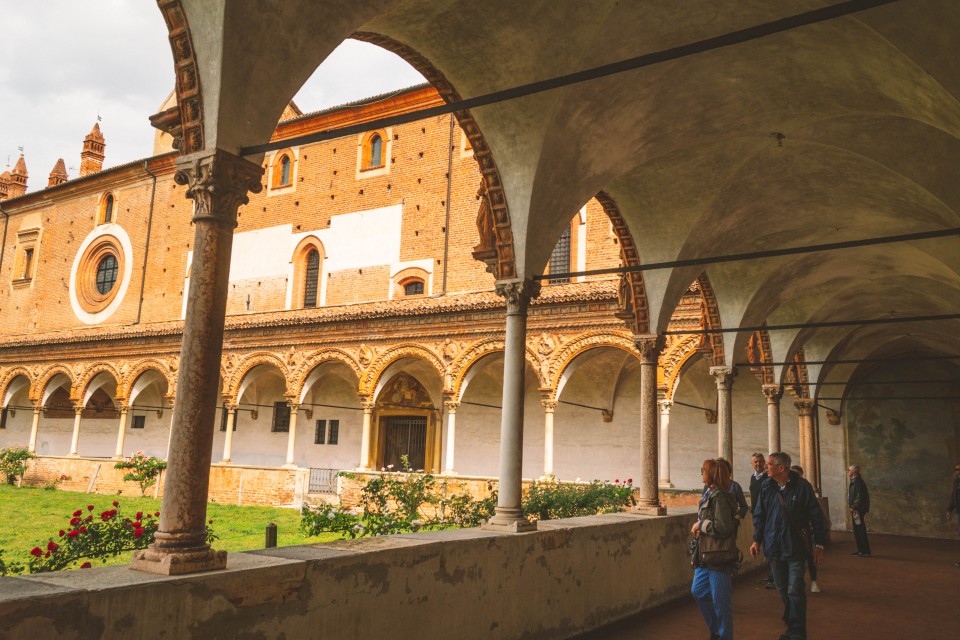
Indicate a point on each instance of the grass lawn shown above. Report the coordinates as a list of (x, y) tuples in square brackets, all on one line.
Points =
[(29, 516)]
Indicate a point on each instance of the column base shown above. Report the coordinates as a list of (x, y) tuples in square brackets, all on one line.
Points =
[(450, 472), (118, 457), (665, 484), (510, 522), (178, 563), (649, 510), (224, 461), (73, 455), (290, 465)]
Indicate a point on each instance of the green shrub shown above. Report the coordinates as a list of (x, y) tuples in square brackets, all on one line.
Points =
[(144, 470), (13, 462), (550, 499)]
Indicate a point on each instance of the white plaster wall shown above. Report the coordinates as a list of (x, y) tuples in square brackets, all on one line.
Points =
[(253, 441), (833, 468), (332, 390), (17, 431), (53, 436), (155, 435), (98, 437)]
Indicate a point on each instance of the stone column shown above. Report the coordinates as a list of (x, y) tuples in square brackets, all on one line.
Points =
[(35, 427), (665, 406), (509, 515), (75, 441), (121, 432), (648, 503), (366, 435), (231, 410), (292, 434), (773, 392), (808, 452), (724, 376), (170, 429), (218, 183), (549, 406), (451, 406)]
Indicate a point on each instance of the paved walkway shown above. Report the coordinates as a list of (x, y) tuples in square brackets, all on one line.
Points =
[(909, 589)]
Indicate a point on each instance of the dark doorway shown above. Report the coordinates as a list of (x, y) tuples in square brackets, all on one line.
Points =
[(405, 435)]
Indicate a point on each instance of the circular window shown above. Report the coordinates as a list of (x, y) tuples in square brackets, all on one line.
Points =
[(97, 274), (107, 274)]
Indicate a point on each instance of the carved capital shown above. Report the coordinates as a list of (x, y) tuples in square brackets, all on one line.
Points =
[(218, 182), (724, 376), (451, 405), (230, 407), (368, 404), (773, 393), (649, 346), (549, 406), (124, 408), (804, 406), (665, 405), (294, 406), (518, 293)]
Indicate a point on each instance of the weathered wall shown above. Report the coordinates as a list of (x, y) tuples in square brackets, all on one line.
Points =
[(905, 448), (569, 577)]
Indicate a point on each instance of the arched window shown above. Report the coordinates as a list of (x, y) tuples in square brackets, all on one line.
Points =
[(376, 151), (107, 271), (108, 209), (413, 288), (285, 170), (311, 278), (560, 258)]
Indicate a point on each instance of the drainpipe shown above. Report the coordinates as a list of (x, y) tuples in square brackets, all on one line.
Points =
[(446, 228), (146, 245), (3, 244)]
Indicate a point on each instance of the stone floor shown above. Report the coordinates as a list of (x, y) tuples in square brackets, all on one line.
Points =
[(909, 589)]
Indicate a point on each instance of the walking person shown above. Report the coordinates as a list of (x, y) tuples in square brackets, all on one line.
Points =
[(811, 566), (716, 529), (786, 503), (735, 490), (953, 507), (759, 462), (858, 501)]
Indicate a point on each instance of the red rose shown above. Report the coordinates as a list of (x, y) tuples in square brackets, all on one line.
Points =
[(36, 552), (52, 546), (136, 525), (83, 529), (139, 515), (74, 522), (105, 516), (86, 565), (73, 534), (61, 533), (138, 532), (116, 504), (46, 555), (156, 513), (617, 481), (89, 507), (89, 518), (77, 512), (210, 522), (629, 480)]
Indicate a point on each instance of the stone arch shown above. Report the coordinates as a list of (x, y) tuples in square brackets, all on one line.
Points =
[(460, 368), (796, 378), (632, 294), (711, 320), (12, 374), (371, 377), (311, 362), (92, 372), (676, 354), (493, 220), (758, 353), (184, 121), (142, 367), (36, 394), (580, 345), (231, 388)]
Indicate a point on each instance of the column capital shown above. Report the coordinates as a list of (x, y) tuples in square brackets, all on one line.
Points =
[(124, 408), (773, 393), (78, 408), (230, 406), (665, 405), (294, 406), (218, 182), (804, 406), (518, 293), (549, 405), (368, 404), (724, 376), (451, 405), (649, 345)]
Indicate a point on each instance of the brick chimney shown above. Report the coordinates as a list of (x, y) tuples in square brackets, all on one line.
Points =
[(5, 183), (58, 175), (17, 186), (91, 159)]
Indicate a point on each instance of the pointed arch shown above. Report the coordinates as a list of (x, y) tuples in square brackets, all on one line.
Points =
[(139, 369), (580, 345), (796, 377), (634, 309), (371, 377), (711, 320), (673, 360), (759, 352), (317, 358), (460, 368), (92, 372), (9, 376), (39, 387), (232, 387)]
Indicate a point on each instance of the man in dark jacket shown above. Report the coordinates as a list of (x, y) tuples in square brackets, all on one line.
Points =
[(953, 507), (786, 504), (759, 463), (858, 501)]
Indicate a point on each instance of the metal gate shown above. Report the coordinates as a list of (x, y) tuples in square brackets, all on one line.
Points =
[(405, 435), (323, 480)]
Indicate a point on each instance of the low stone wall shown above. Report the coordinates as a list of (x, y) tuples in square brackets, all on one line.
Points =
[(265, 486), (566, 578)]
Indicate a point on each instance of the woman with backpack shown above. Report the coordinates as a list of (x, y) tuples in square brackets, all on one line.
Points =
[(716, 556)]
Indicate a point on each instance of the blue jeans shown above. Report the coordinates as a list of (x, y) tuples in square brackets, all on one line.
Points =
[(789, 578), (713, 591)]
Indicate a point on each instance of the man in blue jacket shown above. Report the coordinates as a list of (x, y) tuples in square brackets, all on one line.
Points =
[(786, 505)]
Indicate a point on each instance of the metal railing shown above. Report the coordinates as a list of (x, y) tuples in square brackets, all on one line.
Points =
[(323, 480)]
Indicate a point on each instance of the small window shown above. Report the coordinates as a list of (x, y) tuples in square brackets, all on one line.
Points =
[(27, 264), (333, 436), (323, 435), (284, 170), (3, 418), (108, 209), (223, 419), (320, 435), (560, 258), (376, 151), (139, 422), (107, 274), (413, 288), (281, 417), (311, 278)]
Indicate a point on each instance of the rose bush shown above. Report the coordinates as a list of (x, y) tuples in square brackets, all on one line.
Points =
[(13, 462), (144, 469)]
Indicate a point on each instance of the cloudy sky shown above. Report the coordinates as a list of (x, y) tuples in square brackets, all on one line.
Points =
[(62, 62)]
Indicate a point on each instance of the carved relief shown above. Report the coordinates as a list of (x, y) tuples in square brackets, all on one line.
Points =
[(579, 345), (185, 125), (405, 391), (451, 350), (631, 293), (759, 352), (517, 293), (365, 355), (376, 369), (711, 320)]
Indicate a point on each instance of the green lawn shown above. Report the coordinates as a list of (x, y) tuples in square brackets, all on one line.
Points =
[(30, 516)]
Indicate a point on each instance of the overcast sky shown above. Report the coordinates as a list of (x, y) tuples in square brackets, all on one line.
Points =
[(63, 61)]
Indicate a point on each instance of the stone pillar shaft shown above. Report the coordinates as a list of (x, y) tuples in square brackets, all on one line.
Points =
[(549, 406), (292, 434), (218, 182), (724, 377), (121, 432), (665, 406), (509, 515), (773, 393), (649, 499), (808, 451), (451, 407), (75, 440), (35, 428), (231, 410), (365, 436)]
